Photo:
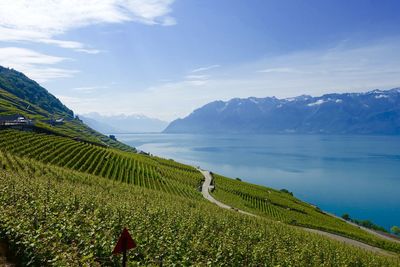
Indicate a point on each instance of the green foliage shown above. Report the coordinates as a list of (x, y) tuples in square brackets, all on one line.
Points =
[(364, 223), (53, 216), (286, 192), (395, 230), (21, 86), (283, 207), (346, 217), (369, 224)]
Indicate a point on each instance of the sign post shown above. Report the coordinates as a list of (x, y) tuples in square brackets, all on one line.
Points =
[(125, 243)]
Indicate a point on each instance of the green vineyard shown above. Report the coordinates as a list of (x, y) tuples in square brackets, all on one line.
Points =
[(150, 172), (13, 101), (284, 207), (55, 216)]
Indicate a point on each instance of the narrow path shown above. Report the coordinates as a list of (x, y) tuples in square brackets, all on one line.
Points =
[(389, 238), (205, 190), (350, 241)]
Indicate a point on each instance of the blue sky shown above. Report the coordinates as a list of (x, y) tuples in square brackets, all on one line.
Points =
[(164, 58)]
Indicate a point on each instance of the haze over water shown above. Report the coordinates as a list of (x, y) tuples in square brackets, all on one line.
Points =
[(359, 175)]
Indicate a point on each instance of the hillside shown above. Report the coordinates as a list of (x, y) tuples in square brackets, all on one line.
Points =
[(26, 89), (159, 201), (23, 96), (374, 112), (82, 215), (77, 195)]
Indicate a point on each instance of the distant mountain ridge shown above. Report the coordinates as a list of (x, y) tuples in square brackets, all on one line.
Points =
[(373, 112), (123, 123)]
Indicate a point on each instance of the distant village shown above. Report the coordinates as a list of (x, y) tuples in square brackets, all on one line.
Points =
[(14, 120), (18, 120)]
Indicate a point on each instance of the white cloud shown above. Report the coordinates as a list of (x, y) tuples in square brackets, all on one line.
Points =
[(77, 46), (42, 20), (35, 65), (201, 69)]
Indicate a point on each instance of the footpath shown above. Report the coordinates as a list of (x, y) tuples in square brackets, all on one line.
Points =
[(205, 190)]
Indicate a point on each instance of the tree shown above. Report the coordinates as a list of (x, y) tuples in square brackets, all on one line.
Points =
[(346, 216), (395, 230), (286, 191)]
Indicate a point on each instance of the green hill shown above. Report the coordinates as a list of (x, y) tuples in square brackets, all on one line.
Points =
[(23, 96), (26, 89), (65, 197)]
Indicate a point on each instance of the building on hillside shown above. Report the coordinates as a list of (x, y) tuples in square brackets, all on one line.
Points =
[(14, 120), (54, 122)]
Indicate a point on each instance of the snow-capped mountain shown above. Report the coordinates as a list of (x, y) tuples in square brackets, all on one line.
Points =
[(373, 112), (123, 123)]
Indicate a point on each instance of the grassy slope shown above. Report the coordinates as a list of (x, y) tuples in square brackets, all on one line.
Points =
[(58, 217), (283, 207), (72, 127)]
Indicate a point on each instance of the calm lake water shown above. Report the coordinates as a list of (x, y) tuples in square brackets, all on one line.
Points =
[(359, 175)]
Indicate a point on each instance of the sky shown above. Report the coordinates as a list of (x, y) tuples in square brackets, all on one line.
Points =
[(165, 58)]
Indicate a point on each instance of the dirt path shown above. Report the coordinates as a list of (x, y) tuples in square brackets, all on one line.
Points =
[(393, 239), (205, 190), (350, 241)]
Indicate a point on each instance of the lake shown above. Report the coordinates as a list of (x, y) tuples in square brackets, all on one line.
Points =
[(359, 175)]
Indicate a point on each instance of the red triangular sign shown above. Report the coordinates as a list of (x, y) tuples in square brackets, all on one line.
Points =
[(125, 242)]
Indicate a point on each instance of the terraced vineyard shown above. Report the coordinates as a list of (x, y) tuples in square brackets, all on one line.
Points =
[(54, 216), (71, 127), (149, 172), (283, 207)]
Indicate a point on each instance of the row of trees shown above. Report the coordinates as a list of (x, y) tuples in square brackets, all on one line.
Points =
[(368, 224)]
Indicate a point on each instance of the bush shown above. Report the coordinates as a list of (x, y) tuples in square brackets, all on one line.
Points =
[(395, 230), (346, 216), (286, 191)]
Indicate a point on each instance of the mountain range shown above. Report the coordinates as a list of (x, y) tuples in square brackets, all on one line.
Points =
[(123, 123), (373, 112)]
